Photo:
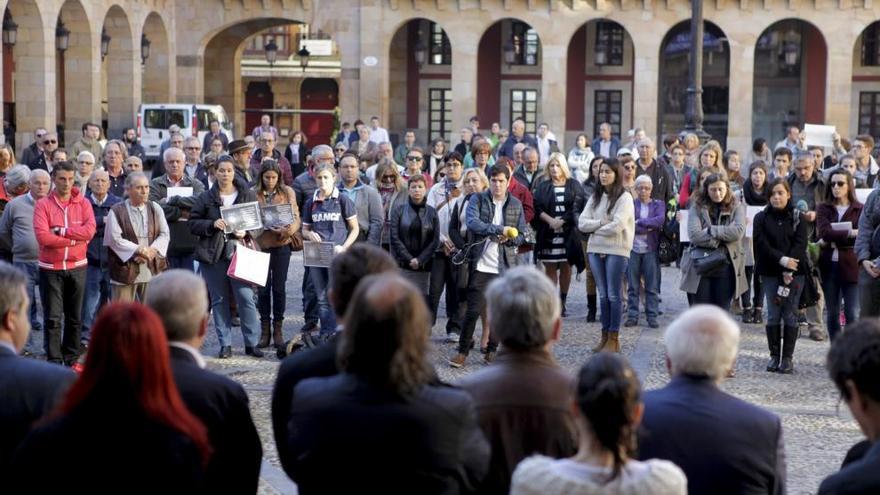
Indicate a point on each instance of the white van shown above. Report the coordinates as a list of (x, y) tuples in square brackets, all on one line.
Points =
[(154, 119)]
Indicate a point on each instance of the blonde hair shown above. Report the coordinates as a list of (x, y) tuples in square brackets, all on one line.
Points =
[(563, 164), (480, 175)]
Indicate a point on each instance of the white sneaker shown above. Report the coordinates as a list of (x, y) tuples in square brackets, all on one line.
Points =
[(452, 338)]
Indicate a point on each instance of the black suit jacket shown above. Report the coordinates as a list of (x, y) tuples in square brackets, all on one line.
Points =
[(856, 478), (222, 405), (28, 390), (723, 444)]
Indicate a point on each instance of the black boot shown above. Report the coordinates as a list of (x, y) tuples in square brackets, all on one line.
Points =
[(562, 297), (591, 308), (748, 316), (774, 341), (789, 339), (265, 331), (758, 315)]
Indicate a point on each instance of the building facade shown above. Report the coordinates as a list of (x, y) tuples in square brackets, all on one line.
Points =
[(430, 65)]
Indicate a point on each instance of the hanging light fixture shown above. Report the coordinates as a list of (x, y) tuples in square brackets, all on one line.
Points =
[(10, 29), (62, 36), (271, 52), (509, 53), (303, 55), (105, 43), (420, 51), (145, 48)]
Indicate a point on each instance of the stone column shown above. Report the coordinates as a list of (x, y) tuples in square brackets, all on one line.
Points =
[(464, 43), (82, 73), (190, 78), (839, 85), (554, 58), (123, 82), (35, 74), (373, 79), (741, 91), (646, 66)]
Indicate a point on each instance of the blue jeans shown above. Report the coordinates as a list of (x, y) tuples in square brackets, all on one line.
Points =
[(608, 271), (782, 311), (181, 262), (216, 278), (97, 294), (835, 290), (321, 280), (272, 299), (31, 271), (647, 266), (311, 312)]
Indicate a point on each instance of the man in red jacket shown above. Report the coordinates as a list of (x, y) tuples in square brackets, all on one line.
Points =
[(64, 223)]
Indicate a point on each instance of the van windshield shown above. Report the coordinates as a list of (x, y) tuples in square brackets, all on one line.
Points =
[(160, 118), (205, 117)]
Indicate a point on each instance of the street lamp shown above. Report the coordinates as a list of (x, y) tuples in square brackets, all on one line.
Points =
[(62, 36), (271, 52), (10, 30), (694, 111), (303, 55), (509, 53), (105, 43), (145, 48), (420, 51)]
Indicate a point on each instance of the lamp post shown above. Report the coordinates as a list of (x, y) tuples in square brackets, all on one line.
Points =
[(145, 49), (694, 111), (10, 30), (509, 53), (420, 51), (105, 43), (303, 54), (271, 52), (62, 36)]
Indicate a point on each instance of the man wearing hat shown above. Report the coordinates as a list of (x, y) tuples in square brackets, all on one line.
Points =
[(241, 158), (266, 149)]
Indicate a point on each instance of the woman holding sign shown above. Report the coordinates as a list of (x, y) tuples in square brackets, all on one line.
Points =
[(837, 223), (280, 224), (214, 251), (328, 218)]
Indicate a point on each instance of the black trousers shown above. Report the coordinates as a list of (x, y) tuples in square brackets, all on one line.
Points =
[(717, 291), (443, 274), (62, 292), (272, 299), (476, 302)]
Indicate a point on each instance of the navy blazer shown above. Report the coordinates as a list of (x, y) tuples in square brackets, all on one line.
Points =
[(222, 405), (857, 477), (29, 389), (724, 445), (612, 151)]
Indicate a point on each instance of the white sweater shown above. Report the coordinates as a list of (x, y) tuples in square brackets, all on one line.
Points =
[(539, 475), (616, 235)]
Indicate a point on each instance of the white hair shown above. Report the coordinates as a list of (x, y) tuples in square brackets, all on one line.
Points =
[(172, 151), (702, 341), (18, 176), (523, 307), (180, 299), (85, 154), (645, 178)]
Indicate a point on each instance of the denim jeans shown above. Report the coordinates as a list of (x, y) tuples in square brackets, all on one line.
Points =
[(476, 302), (62, 293), (321, 281), (608, 270), (309, 298), (181, 262), (31, 271), (443, 275), (97, 294), (645, 265), (717, 291), (836, 289), (272, 299), (216, 278), (752, 298), (783, 311)]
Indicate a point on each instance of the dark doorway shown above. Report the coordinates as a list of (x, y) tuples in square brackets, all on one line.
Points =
[(318, 94), (258, 95)]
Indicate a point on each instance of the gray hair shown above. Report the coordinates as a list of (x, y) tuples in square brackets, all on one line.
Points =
[(192, 139), (172, 151), (645, 178), (523, 307), (12, 288), (180, 298), (702, 341), (85, 154), (123, 149), (130, 178), (322, 149), (18, 176), (529, 150), (645, 141)]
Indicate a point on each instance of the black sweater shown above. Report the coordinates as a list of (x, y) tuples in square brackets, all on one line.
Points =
[(777, 234)]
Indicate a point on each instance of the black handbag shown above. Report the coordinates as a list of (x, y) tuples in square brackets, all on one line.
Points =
[(709, 262)]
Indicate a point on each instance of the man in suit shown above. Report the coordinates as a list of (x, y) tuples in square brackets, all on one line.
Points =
[(346, 271), (180, 299), (29, 388), (853, 364), (723, 444), (605, 145)]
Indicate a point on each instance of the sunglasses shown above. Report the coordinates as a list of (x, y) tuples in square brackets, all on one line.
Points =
[(50, 141), (414, 158), (838, 183), (388, 178)]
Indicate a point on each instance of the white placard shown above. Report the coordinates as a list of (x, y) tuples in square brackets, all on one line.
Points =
[(862, 194), (751, 211), (370, 61), (183, 192), (319, 48), (250, 265), (819, 135), (842, 226), (683, 226)]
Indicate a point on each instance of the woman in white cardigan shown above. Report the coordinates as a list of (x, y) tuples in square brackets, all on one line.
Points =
[(610, 219)]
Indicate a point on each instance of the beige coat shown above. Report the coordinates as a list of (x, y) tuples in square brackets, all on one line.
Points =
[(729, 232)]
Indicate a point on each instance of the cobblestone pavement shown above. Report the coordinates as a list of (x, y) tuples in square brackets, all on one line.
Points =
[(818, 429)]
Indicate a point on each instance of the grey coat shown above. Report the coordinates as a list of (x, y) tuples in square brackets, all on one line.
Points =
[(729, 232), (370, 215)]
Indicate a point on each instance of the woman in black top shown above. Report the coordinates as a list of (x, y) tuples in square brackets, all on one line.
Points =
[(781, 252), (755, 192), (415, 234)]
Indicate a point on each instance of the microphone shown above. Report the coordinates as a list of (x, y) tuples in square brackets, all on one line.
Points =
[(802, 206)]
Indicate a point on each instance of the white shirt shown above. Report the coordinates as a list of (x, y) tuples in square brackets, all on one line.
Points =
[(489, 260), (605, 148), (379, 135)]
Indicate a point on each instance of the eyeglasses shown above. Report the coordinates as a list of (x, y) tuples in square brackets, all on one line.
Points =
[(193, 148), (50, 141), (838, 183), (414, 158)]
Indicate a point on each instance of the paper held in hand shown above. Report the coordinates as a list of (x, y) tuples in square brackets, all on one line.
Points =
[(842, 226), (183, 192), (244, 216), (862, 194), (751, 211), (683, 226), (819, 135), (317, 254), (249, 265), (277, 216)]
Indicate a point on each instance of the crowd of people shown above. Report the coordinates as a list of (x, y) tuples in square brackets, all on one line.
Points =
[(99, 242)]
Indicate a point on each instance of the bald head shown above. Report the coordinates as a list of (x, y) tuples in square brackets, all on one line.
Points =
[(180, 299)]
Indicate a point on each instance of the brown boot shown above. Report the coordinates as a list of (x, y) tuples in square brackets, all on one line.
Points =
[(278, 333), (601, 342), (265, 331), (612, 344)]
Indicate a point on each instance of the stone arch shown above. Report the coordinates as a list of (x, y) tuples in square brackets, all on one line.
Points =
[(78, 70), (416, 87), (158, 69), (791, 67), (33, 72), (506, 91), (119, 68), (673, 80), (865, 100)]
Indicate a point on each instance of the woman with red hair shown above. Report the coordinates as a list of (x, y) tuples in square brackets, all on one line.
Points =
[(122, 425)]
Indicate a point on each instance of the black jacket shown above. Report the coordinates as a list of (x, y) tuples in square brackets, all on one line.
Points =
[(663, 182), (97, 253), (859, 477), (183, 242), (345, 433), (134, 149), (777, 234), (405, 246), (205, 212), (222, 405), (545, 202), (724, 445), (29, 389)]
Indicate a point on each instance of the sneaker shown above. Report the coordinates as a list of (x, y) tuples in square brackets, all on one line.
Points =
[(631, 322), (452, 337), (458, 360), (236, 321), (817, 334)]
